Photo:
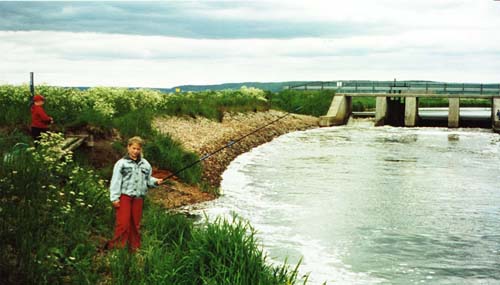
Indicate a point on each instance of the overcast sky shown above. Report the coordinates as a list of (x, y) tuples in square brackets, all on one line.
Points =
[(169, 43)]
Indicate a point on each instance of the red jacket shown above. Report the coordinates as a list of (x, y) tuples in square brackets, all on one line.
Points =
[(39, 118)]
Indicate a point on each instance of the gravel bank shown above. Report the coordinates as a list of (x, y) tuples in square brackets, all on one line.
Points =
[(205, 136)]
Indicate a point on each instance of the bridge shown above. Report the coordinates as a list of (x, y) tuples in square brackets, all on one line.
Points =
[(397, 101)]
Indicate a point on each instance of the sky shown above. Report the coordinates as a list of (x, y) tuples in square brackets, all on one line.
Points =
[(169, 43)]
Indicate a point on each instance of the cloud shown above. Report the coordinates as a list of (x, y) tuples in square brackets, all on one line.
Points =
[(248, 19), (161, 44), (75, 59)]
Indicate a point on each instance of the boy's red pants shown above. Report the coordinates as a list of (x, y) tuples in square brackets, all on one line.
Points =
[(128, 220)]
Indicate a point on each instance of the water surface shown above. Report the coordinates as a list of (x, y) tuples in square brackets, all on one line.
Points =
[(365, 205)]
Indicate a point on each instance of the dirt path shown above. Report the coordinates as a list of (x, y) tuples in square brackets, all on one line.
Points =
[(204, 136)]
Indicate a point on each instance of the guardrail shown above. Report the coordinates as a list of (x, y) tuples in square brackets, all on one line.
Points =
[(421, 87)]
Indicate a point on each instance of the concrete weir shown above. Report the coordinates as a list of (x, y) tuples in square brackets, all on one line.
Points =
[(495, 114), (339, 112), (453, 112), (402, 109)]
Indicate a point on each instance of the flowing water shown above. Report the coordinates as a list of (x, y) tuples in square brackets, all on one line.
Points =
[(366, 205)]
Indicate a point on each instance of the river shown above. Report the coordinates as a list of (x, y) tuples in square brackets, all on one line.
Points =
[(374, 205)]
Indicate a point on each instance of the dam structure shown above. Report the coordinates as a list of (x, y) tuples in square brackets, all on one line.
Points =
[(397, 102)]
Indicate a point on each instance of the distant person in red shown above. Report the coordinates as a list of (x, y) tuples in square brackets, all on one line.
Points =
[(39, 119)]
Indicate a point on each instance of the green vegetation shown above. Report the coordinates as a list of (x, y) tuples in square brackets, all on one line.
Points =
[(131, 112), (361, 104), (56, 214), (174, 251), (49, 209), (169, 154), (315, 103), (102, 107), (443, 102)]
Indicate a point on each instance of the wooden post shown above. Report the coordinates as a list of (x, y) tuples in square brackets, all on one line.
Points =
[(32, 87)]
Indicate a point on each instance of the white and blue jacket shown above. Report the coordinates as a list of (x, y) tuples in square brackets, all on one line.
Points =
[(131, 177)]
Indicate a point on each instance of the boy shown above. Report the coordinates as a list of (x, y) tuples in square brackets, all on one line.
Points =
[(39, 119), (129, 184)]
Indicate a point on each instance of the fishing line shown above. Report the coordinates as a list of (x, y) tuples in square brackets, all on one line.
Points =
[(229, 144)]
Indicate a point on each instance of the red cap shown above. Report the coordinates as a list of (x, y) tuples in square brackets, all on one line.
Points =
[(38, 97)]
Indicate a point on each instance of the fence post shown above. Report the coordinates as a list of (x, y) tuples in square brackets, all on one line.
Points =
[(32, 87)]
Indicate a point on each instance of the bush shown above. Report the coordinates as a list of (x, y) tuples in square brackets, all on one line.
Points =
[(50, 208), (212, 104)]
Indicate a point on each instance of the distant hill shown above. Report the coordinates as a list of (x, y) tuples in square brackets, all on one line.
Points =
[(269, 86)]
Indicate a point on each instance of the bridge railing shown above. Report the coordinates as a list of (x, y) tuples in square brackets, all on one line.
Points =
[(424, 87)]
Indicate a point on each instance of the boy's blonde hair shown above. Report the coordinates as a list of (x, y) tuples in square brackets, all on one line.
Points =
[(138, 140)]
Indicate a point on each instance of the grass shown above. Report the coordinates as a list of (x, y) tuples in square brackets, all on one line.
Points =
[(213, 104), (166, 153), (175, 251), (314, 103), (55, 214), (361, 104)]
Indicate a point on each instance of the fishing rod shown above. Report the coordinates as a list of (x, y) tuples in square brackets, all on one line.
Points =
[(229, 144)]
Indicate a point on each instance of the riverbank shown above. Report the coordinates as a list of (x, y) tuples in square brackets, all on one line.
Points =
[(203, 136)]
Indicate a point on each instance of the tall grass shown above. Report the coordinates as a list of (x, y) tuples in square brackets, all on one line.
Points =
[(313, 102), (166, 153), (213, 104), (135, 123), (15, 102), (176, 252)]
